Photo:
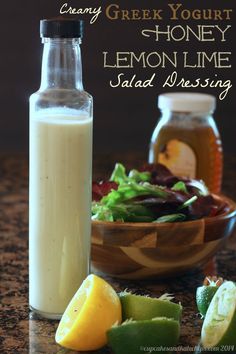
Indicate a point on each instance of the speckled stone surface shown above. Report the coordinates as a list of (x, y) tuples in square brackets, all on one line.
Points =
[(22, 332)]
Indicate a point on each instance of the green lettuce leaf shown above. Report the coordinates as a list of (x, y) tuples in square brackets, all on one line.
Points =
[(171, 218), (127, 191), (121, 212), (119, 175), (188, 202), (180, 187)]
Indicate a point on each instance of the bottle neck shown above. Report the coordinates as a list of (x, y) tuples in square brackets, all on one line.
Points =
[(61, 64)]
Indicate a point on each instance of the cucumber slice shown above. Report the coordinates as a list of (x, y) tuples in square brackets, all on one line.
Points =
[(151, 336), (219, 326)]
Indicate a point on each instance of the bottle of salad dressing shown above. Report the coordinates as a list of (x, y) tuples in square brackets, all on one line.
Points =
[(60, 173), (186, 139)]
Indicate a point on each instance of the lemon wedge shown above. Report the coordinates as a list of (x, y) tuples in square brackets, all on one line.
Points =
[(92, 311)]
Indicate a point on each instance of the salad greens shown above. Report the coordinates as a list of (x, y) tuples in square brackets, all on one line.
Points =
[(151, 194), (180, 186), (188, 202), (171, 218), (119, 175), (128, 191)]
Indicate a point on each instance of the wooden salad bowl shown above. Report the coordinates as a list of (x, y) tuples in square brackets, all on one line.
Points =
[(144, 250)]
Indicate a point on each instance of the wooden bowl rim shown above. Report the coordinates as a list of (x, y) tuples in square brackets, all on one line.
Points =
[(208, 220)]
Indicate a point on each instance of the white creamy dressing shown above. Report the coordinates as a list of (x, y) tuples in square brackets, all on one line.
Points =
[(60, 203)]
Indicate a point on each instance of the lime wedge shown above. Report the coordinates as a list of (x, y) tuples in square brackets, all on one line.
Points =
[(204, 295), (219, 326), (150, 336), (139, 307)]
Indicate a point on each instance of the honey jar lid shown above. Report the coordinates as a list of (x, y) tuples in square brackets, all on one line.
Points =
[(187, 102)]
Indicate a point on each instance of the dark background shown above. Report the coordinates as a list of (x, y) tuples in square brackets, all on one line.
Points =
[(123, 117)]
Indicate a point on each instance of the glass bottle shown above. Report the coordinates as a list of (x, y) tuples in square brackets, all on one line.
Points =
[(186, 139), (60, 172)]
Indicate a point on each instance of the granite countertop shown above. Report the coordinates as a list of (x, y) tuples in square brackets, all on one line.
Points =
[(20, 331)]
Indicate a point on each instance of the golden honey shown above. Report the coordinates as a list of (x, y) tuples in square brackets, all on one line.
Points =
[(188, 141)]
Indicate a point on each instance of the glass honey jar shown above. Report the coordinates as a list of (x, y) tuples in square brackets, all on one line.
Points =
[(186, 138)]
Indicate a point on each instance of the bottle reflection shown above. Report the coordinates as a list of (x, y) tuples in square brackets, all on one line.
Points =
[(41, 336)]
